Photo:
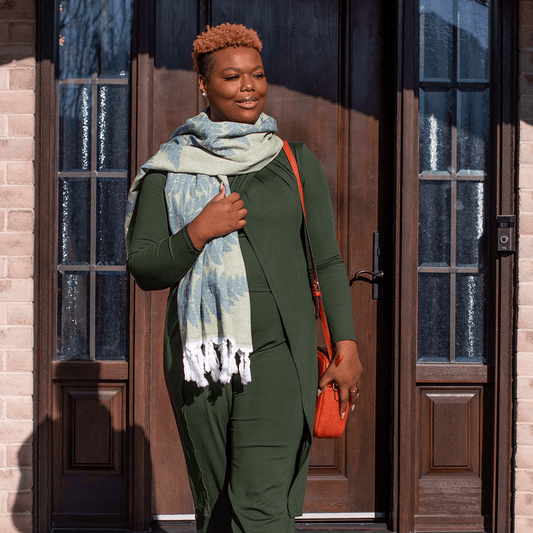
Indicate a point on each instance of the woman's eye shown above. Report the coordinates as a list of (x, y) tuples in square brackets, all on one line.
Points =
[(260, 75), (230, 78)]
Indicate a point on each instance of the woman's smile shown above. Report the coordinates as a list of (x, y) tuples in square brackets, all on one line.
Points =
[(236, 87)]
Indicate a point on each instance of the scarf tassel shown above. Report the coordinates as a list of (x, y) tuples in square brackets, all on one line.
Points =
[(217, 359)]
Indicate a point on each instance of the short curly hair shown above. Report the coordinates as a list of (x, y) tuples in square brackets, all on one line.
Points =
[(219, 37)]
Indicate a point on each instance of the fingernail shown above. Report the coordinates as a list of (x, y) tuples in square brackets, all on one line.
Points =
[(342, 416), (318, 393)]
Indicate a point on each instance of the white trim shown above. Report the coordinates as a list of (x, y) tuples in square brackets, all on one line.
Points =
[(304, 517)]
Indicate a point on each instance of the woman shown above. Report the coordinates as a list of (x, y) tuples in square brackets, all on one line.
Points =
[(218, 220)]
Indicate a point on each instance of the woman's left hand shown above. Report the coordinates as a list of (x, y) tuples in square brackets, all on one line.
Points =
[(346, 375)]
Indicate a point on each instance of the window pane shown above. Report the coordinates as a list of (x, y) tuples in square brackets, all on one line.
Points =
[(94, 37), (110, 245), (472, 131), (111, 315), (74, 221), (73, 316), (433, 318), (436, 39), (434, 223), (471, 240), (113, 127), (435, 131), (74, 127), (470, 318), (474, 36)]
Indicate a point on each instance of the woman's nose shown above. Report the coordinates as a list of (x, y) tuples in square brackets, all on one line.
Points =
[(247, 85)]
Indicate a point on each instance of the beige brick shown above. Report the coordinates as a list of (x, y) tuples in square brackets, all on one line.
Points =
[(526, 150), (524, 480), (20, 502), (20, 220), (524, 434), (17, 337), (12, 384), (524, 388), (4, 79), (524, 411), (19, 454), (3, 267), (21, 79), (17, 149), (20, 314), (3, 220), (15, 478), (15, 430), (18, 196), (526, 223), (525, 13), (3, 455), (17, 102), (21, 32), (524, 364), (525, 177), (525, 247), (524, 339), (3, 408), (16, 523), (524, 504), (4, 126), (525, 270), (525, 294), (526, 128), (525, 106), (3, 314), (20, 290), (21, 126), (20, 267), (526, 198), (526, 87), (18, 244), (4, 28), (17, 55), (23, 173), (19, 361), (525, 62), (19, 407), (3, 172), (19, 10), (3, 502), (523, 524)]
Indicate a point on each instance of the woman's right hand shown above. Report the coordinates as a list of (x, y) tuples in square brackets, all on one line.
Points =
[(222, 215)]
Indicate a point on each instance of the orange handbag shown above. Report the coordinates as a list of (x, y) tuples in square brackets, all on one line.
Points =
[(328, 422)]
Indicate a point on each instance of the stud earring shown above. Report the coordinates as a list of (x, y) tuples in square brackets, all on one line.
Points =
[(204, 94)]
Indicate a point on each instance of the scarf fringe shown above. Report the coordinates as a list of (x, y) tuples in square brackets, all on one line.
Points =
[(219, 359)]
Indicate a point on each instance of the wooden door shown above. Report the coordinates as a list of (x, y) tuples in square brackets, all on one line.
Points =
[(331, 76)]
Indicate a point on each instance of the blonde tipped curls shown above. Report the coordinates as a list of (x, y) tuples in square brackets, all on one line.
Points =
[(219, 37)]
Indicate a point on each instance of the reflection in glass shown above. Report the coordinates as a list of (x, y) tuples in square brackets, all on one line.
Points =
[(433, 317), (73, 316), (436, 39), (74, 220), (472, 130), (470, 318), (94, 37), (471, 242), (434, 223), (74, 127), (474, 39), (111, 212), (113, 127), (111, 315), (435, 131)]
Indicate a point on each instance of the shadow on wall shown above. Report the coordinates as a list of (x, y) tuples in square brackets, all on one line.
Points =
[(91, 461)]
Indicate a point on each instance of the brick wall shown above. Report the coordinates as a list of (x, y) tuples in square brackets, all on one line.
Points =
[(17, 107)]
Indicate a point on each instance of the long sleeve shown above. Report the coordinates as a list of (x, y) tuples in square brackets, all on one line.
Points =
[(330, 265), (157, 259)]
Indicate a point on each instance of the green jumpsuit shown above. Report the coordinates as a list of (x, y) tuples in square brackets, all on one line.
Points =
[(247, 447)]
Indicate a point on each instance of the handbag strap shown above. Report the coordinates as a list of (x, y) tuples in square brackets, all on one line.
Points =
[(315, 286)]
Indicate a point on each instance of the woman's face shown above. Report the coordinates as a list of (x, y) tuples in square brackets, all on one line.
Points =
[(237, 87)]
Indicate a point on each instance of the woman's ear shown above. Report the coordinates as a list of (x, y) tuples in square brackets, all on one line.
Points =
[(202, 83)]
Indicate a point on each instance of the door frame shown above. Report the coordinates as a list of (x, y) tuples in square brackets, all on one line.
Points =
[(404, 399), (503, 146)]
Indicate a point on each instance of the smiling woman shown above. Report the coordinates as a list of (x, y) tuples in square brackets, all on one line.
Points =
[(216, 217)]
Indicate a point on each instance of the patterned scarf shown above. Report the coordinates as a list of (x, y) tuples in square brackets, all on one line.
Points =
[(213, 298)]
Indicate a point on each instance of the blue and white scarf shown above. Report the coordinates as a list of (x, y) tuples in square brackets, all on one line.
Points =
[(213, 298)]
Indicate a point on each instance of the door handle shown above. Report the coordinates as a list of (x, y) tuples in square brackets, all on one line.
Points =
[(377, 273)]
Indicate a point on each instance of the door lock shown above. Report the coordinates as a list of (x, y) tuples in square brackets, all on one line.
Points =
[(376, 274), (506, 233)]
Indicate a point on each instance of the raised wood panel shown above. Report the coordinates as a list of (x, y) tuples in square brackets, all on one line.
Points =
[(90, 454), (449, 479)]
